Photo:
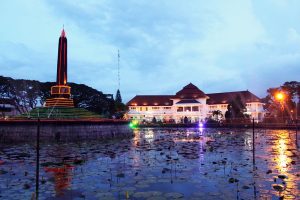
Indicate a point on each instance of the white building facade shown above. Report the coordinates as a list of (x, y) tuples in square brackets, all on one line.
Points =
[(190, 103)]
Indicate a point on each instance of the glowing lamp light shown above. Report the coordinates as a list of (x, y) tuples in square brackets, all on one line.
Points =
[(279, 96), (133, 124), (200, 124)]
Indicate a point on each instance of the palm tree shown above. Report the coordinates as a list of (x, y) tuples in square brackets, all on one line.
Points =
[(217, 115)]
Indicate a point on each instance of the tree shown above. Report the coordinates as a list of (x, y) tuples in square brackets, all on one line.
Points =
[(235, 108), (91, 99), (120, 108), (286, 108), (238, 107), (118, 97), (154, 120), (28, 94), (217, 115), (292, 89), (228, 113)]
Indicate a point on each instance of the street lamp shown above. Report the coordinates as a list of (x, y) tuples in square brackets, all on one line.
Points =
[(280, 97), (296, 99)]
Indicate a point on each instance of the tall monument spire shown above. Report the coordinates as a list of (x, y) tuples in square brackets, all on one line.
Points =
[(61, 77), (61, 92)]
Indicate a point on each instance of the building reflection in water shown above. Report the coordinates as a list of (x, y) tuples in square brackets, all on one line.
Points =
[(62, 177), (62, 174), (149, 136)]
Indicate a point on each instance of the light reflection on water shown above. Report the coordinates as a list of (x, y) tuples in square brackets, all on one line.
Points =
[(282, 157), (285, 154), (185, 161)]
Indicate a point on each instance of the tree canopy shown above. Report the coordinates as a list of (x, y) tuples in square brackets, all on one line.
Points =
[(118, 97), (288, 105), (235, 108), (28, 94)]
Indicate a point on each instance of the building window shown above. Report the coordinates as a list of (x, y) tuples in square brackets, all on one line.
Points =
[(223, 106), (141, 108), (179, 109), (132, 108), (167, 108), (187, 109), (146, 108), (155, 108), (195, 108), (213, 107)]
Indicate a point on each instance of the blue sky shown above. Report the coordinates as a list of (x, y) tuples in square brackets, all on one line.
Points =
[(164, 44)]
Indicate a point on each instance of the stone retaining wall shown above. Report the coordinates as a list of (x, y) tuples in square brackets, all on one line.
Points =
[(64, 132)]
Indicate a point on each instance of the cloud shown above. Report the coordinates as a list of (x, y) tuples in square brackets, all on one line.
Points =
[(217, 45)]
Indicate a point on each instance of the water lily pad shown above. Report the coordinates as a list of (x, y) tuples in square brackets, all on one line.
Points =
[(174, 195), (278, 187), (282, 176), (47, 164), (232, 180), (3, 172), (246, 187), (120, 175)]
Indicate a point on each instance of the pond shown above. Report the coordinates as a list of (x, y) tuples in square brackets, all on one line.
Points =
[(174, 163)]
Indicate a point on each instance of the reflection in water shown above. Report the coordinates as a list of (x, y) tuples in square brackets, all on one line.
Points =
[(281, 149), (199, 164), (62, 177), (201, 131), (149, 136), (282, 159)]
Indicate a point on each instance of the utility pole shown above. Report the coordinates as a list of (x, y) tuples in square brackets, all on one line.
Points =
[(37, 159), (118, 69)]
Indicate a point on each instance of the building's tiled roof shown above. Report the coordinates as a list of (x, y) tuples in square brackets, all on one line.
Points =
[(226, 97), (151, 100), (187, 101), (190, 91), (188, 95)]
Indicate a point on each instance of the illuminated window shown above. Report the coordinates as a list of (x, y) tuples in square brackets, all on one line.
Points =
[(155, 108), (187, 109), (213, 107), (167, 108), (195, 108), (180, 109)]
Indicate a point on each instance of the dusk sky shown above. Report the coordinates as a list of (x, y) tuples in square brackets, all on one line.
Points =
[(219, 46)]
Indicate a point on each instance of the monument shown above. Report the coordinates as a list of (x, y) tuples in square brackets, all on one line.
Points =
[(61, 92)]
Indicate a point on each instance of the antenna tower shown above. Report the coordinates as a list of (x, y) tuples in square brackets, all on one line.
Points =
[(118, 69)]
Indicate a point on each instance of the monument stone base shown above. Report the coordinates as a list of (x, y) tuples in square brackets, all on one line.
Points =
[(60, 97)]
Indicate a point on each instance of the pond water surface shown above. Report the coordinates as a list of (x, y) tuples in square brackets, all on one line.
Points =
[(158, 164)]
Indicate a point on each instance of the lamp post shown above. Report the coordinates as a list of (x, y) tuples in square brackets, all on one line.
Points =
[(296, 98), (280, 97)]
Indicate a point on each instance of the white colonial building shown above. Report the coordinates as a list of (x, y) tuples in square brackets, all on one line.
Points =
[(190, 103)]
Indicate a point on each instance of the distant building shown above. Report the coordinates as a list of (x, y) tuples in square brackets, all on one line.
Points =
[(190, 103), (109, 96), (7, 108)]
